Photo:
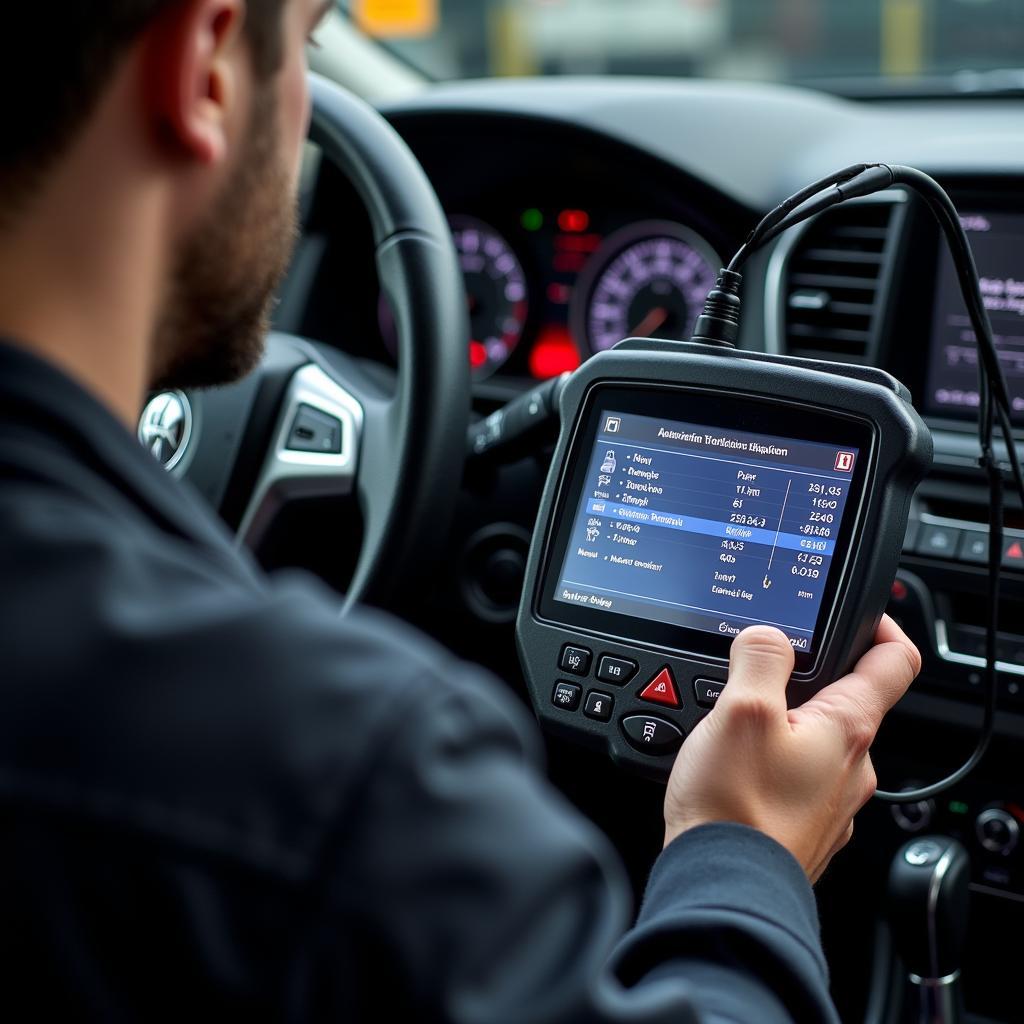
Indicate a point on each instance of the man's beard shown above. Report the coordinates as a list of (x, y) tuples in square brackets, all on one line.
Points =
[(216, 315)]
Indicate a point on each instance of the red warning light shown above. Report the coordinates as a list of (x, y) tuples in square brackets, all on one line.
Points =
[(559, 293), (477, 354), (568, 262), (586, 243), (1015, 551), (574, 221), (553, 353)]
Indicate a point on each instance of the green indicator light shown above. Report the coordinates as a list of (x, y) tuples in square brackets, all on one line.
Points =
[(532, 219), (957, 807)]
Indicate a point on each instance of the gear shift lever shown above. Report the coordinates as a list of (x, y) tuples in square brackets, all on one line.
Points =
[(928, 916)]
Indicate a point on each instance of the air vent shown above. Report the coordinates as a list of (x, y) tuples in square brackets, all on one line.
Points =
[(834, 282)]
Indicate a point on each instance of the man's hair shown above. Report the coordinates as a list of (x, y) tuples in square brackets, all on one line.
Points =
[(59, 57)]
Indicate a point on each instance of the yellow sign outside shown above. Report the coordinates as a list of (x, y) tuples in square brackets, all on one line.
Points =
[(391, 18), (904, 23)]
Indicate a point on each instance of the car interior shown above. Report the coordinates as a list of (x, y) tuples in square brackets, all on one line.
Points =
[(542, 211)]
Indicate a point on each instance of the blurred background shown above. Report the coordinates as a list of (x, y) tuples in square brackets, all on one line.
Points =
[(844, 42)]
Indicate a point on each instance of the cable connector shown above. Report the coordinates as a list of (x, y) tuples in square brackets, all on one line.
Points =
[(719, 324), (874, 178)]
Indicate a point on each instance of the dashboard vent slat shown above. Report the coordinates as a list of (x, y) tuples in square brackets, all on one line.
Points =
[(858, 231), (833, 282), (842, 256)]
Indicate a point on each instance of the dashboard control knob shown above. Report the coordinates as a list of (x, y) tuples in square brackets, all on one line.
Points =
[(997, 830), (502, 577), (492, 570), (915, 817)]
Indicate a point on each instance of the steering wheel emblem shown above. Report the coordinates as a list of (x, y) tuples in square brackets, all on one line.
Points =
[(165, 427)]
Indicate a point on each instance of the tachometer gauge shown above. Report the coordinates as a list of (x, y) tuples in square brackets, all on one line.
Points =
[(648, 280), (496, 291)]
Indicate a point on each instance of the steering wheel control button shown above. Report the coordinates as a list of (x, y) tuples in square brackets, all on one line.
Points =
[(599, 705), (617, 671), (652, 736), (315, 431), (707, 691), (566, 696), (662, 690), (575, 660)]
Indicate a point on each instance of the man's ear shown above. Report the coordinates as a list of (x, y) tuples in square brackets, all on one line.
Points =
[(194, 61)]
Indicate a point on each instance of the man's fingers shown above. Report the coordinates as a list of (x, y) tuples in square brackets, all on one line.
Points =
[(760, 664), (888, 631), (887, 669), (861, 700)]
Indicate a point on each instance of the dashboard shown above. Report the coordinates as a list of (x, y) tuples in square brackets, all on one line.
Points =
[(585, 211), (567, 243)]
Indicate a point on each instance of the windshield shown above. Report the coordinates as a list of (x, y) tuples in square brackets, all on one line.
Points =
[(899, 42)]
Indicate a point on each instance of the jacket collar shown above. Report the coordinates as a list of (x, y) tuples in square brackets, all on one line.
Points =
[(35, 393)]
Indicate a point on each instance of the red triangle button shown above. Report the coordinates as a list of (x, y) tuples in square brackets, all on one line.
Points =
[(662, 689), (1015, 551)]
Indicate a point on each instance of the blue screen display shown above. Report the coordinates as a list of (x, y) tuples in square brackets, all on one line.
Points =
[(706, 528)]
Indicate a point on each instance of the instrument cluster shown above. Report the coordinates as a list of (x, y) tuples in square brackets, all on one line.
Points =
[(548, 286)]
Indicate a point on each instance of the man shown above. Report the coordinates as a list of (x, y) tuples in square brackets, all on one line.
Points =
[(210, 806)]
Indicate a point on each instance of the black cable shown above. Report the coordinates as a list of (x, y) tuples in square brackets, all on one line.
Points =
[(755, 240), (872, 178), (719, 324), (993, 403)]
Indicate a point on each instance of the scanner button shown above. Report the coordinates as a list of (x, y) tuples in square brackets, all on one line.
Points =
[(652, 735), (617, 671), (575, 660), (707, 692), (599, 705), (662, 690), (566, 696)]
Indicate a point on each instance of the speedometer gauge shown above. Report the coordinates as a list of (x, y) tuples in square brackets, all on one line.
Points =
[(648, 280)]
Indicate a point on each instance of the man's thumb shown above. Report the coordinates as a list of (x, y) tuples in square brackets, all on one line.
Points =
[(760, 664)]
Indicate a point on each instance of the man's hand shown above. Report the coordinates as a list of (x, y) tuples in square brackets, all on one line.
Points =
[(799, 776)]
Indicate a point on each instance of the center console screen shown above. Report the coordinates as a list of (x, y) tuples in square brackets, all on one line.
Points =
[(693, 526), (997, 240)]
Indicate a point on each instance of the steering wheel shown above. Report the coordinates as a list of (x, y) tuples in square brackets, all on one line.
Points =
[(310, 421)]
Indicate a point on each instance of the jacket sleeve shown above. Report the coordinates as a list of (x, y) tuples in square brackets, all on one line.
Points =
[(730, 911), (471, 888)]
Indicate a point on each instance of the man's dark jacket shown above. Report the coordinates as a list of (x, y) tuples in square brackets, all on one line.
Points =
[(220, 800)]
